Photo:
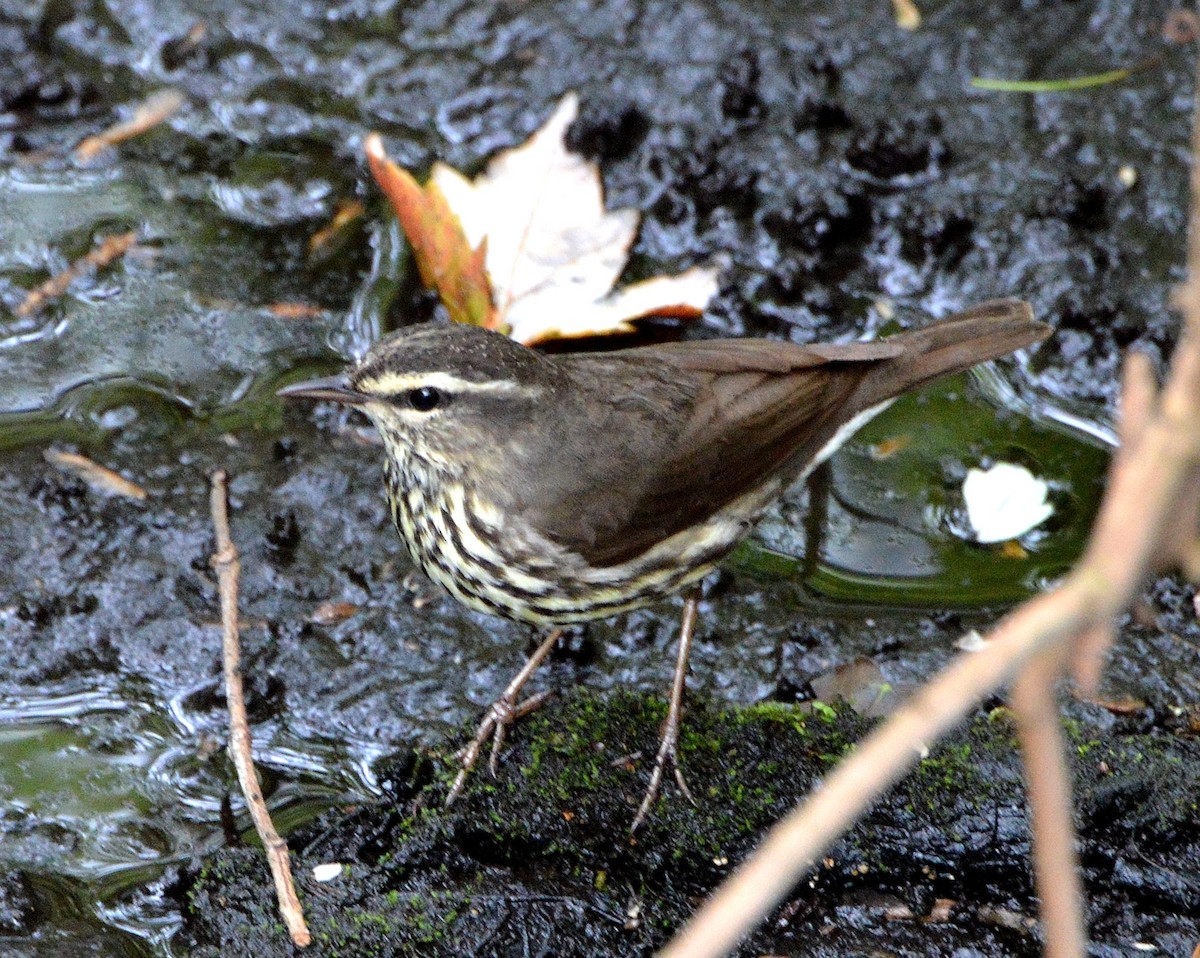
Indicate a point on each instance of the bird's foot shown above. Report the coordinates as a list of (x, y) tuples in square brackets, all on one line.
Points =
[(500, 715), (668, 755), (668, 748)]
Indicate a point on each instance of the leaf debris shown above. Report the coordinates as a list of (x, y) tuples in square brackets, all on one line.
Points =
[(289, 310), (532, 231), (176, 52), (347, 212), (331, 613), (1181, 26), (908, 17), (95, 475), (1005, 501), (1066, 83), (886, 448)]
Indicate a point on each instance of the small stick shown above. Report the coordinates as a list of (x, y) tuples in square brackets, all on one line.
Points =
[(1048, 781), (95, 475), (109, 249), (157, 108), (225, 562)]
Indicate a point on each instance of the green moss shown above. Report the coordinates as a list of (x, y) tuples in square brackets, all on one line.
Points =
[(824, 710), (569, 783), (961, 774), (781, 713), (571, 751)]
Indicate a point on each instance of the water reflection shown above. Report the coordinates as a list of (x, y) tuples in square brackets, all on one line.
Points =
[(102, 790), (892, 528)]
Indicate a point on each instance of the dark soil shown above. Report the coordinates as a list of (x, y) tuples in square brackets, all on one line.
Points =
[(538, 861), (835, 161)]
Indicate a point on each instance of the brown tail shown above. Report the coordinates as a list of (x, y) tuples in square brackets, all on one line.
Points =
[(986, 331)]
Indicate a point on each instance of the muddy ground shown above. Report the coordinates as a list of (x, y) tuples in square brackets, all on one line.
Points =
[(837, 162)]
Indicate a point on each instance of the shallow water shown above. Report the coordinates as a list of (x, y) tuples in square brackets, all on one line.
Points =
[(837, 162)]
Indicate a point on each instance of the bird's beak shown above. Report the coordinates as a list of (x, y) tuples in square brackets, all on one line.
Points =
[(332, 388)]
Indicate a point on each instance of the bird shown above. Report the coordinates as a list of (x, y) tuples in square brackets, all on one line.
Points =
[(554, 489)]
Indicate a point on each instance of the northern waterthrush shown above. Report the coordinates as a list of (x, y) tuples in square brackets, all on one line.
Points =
[(554, 489)]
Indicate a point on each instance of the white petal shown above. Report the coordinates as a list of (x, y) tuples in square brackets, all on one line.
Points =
[(1005, 502), (972, 641), (327, 871)]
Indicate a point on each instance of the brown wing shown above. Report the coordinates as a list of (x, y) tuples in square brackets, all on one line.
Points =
[(703, 425), (665, 436)]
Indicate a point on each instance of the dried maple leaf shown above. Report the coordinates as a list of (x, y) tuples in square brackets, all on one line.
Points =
[(552, 252), (446, 261)]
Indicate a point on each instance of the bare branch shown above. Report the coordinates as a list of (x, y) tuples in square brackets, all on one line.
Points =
[(95, 475), (1138, 393), (111, 248), (227, 565), (1056, 866), (1091, 652), (157, 108)]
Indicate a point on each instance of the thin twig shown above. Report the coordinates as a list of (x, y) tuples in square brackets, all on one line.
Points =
[(109, 249), (157, 108), (225, 561), (1153, 481), (95, 475), (1048, 780)]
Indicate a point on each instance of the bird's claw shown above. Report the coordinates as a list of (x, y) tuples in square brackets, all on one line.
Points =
[(668, 754), (500, 715)]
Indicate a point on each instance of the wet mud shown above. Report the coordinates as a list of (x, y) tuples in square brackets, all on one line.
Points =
[(853, 182)]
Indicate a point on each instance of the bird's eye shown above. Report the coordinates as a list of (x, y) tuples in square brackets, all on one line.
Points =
[(424, 399)]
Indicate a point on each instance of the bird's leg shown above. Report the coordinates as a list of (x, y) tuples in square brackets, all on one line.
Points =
[(501, 714), (667, 754)]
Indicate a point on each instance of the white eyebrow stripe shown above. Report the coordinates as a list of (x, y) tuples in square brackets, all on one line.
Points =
[(394, 383)]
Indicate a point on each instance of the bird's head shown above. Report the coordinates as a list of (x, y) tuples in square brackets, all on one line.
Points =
[(441, 392)]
